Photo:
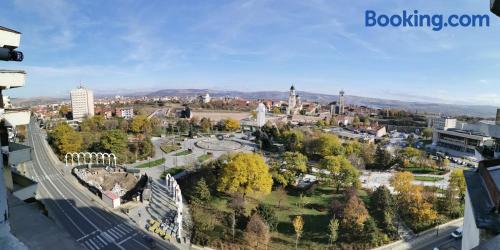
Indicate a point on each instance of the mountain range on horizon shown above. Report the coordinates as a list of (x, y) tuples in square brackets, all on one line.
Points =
[(486, 111)]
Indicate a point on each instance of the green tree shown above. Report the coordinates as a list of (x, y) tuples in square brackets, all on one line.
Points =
[(333, 228), (65, 139), (382, 209), (334, 122), (457, 182), (201, 192), (342, 173), (114, 141), (276, 110), (324, 145), (293, 140), (268, 214), (427, 133), (370, 231), (293, 165), (246, 173), (383, 158), (93, 124)]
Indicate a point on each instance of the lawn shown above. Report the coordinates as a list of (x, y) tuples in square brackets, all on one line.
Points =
[(183, 153), (428, 178), (204, 157), (150, 164), (169, 148), (171, 171), (422, 170)]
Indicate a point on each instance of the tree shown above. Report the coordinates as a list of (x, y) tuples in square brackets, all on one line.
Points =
[(246, 173), (257, 232), (114, 141), (342, 173), (457, 182), (382, 209), (367, 153), (321, 123), (293, 140), (231, 124), (370, 231), (402, 183), (427, 133), (293, 165), (276, 110), (201, 192), (205, 124), (354, 217), (268, 214), (65, 139), (93, 124), (324, 145), (333, 228), (64, 110), (383, 158), (140, 124), (298, 226), (280, 195), (333, 121)]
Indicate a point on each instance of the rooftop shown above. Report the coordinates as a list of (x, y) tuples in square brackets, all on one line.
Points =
[(9, 30), (483, 186)]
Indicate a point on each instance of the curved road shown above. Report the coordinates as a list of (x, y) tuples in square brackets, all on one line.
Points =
[(74, 208)]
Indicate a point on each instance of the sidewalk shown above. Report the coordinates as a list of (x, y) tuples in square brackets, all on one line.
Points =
[(424, 238)]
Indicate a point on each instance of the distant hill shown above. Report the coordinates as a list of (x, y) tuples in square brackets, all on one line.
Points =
[(33, 101), (438, 108)]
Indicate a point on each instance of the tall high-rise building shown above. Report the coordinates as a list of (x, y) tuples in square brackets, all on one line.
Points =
[(82, 103)]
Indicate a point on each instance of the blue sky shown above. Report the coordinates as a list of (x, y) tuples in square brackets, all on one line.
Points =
[(321, 46)]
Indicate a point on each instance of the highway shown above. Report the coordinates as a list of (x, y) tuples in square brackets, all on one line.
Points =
[(73, 207)]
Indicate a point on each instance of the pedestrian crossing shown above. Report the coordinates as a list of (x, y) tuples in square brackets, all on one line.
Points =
[(101, 239)]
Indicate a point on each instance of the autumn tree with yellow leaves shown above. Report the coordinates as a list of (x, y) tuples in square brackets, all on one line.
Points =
[(245, 173)]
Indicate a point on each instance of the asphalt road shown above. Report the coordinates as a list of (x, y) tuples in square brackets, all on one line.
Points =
[(74, 209), (447, 243)]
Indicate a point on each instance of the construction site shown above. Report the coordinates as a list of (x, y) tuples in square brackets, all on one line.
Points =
[(113, 184)]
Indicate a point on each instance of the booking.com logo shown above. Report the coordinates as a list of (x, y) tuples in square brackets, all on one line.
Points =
[(436, 21)]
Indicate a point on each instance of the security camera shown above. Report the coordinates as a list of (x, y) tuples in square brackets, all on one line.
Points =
[(495, 7), (7, 54), (9, 42)]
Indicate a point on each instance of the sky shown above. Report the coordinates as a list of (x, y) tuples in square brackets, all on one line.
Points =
[(322, 46)]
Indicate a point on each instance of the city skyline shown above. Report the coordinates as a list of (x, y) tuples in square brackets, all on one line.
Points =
[(254, 46)]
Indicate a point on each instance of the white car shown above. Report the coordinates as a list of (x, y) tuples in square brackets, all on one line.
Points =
[(457, 234)]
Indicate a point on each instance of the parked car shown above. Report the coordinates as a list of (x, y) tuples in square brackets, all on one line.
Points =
[(457, 234)]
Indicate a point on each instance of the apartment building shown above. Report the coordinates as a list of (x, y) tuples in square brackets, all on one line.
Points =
[(82, 103)]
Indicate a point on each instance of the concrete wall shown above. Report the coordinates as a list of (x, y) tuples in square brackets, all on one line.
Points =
[(471, 232)]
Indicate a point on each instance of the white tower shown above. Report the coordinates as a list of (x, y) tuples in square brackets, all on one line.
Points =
[(292, 101), (261, 115)]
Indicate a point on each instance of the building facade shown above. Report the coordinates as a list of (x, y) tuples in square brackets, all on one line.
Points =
[(461, 140), (82, 103), (127, 113)]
